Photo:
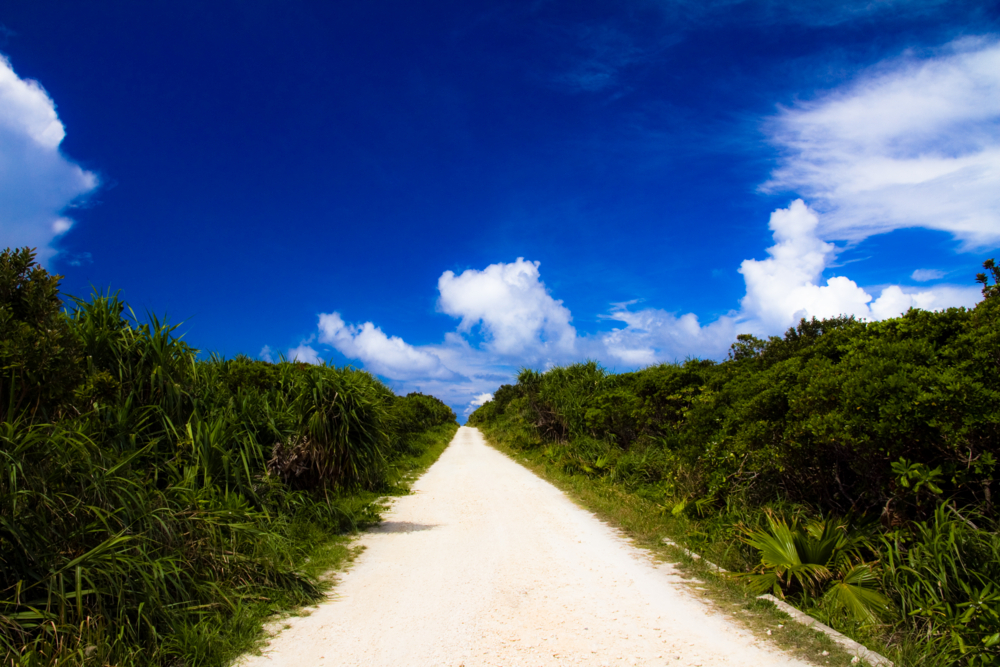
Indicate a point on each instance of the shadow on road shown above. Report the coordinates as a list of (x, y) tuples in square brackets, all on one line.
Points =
[(401, 527)]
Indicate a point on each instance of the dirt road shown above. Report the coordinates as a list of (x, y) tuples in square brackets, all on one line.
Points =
[(486, 564)]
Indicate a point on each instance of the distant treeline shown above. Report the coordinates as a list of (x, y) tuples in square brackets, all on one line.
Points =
[(147, 497), (888, 432)]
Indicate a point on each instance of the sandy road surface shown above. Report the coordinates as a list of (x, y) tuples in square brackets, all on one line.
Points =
[(486, 564)]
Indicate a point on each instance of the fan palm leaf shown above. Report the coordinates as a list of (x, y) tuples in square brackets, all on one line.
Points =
[(853, 593), (781, 557), (812, 555)]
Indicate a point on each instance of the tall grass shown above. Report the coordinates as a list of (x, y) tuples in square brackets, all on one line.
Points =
[(154, 506)]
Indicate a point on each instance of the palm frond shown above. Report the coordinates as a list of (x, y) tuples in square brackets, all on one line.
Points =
[(855, 595)]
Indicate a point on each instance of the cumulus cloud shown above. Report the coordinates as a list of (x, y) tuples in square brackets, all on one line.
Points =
[(895, 300), (304, 353), (785, 287), (515, 311), (780, 290), (652, 335), (507, 303), (385, 355), (913, 142), (38, 182), (481, 399), (788, 285)]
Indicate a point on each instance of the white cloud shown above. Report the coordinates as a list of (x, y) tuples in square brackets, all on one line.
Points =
[(896, 300), (519, 320), (780, 290), (924, 275), (304, 353), (510, 303), (38, 181), (478, 401), (481, 399), (910, 143), (652, 335), (381, 354), (524, 325), (785, 287)]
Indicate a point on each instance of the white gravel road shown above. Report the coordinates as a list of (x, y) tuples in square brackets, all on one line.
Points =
[(486, 564)]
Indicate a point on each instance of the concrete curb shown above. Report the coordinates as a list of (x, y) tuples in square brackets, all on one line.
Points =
[(848, 644), (694, 556)]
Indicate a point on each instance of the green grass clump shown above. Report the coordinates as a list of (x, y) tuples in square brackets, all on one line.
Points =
[(154, 507), (883, 436)]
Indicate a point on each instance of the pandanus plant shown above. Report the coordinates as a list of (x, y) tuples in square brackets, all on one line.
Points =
[(820, 558), (343, 434)]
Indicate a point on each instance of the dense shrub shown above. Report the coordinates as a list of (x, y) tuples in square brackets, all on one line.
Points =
[(891, 422), (39, 356), (147, 496), (417, 412)]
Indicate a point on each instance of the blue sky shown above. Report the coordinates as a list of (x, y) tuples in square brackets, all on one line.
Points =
[(443, 193)]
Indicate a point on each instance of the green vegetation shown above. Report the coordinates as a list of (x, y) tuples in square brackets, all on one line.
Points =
[(848, 466), (154, 508)]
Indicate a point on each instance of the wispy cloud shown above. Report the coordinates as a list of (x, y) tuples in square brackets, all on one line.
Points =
[(38, 182), (818, 13), (79, 258), (925, 275), (597, 55), (913, 142)]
